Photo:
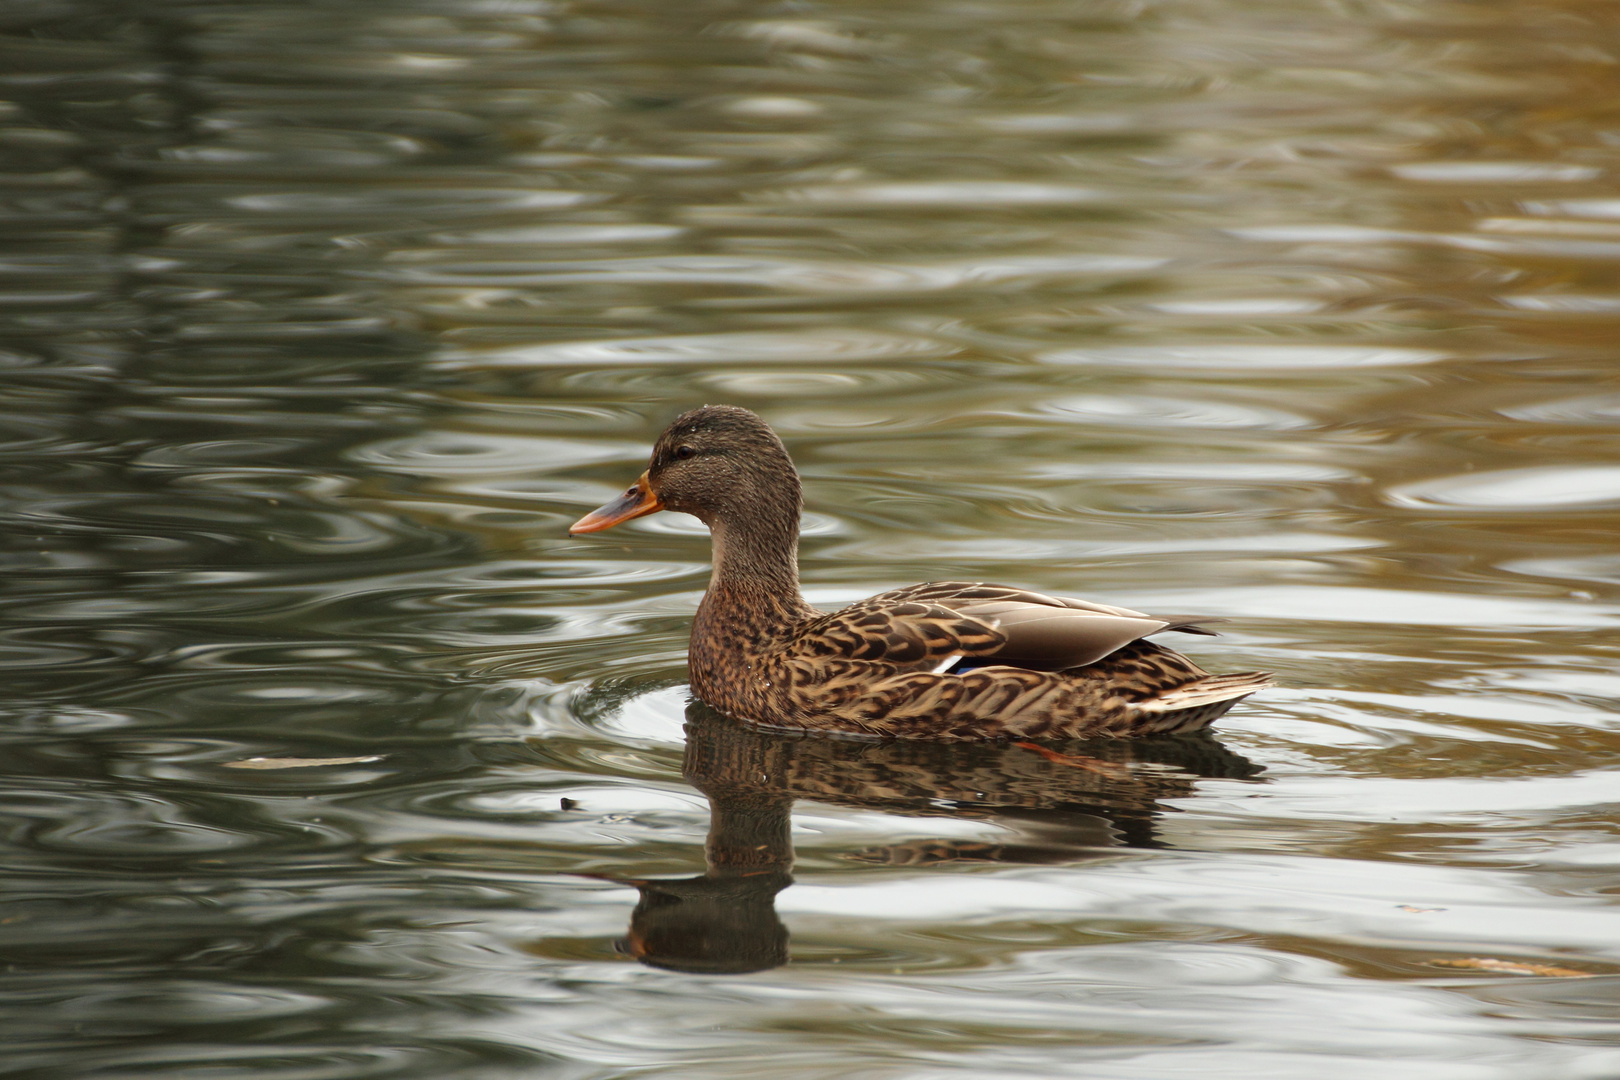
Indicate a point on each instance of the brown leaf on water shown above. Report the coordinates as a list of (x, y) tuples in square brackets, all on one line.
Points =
[(298, 762), (1512, 967)]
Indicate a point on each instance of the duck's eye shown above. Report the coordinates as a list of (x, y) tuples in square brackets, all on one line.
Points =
[(684, 452)]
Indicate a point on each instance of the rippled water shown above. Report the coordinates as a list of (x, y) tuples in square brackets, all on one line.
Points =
[(330, 755)]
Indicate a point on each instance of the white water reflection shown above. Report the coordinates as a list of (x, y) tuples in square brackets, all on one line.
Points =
[(1410, 607), (828, 345), (954, 195), (1495, 172), (1516, 489), (1336, 900), (1225, 360), (1141, 410)]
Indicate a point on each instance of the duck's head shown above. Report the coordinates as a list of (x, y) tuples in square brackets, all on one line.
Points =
[(718, 463)]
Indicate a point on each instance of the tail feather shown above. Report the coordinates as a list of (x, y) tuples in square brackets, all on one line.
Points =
[(1207, 691), (1190, 624)]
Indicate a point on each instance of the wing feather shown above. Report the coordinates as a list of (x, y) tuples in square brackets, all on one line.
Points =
[(922, 626)]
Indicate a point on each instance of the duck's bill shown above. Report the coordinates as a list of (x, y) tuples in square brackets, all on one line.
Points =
[(636, 502)]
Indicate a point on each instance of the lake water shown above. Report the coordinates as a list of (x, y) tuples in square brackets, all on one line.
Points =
[(329, 755)]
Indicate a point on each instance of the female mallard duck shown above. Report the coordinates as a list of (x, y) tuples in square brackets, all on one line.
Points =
[(944, 660)]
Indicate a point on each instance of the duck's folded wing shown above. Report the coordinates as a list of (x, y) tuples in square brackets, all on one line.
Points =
[(918, 635), (1021, 628)]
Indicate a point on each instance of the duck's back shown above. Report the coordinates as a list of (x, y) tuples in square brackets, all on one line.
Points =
[(960, 660)]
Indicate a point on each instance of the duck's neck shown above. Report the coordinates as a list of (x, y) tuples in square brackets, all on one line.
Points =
[(753, 604), (755, 584)]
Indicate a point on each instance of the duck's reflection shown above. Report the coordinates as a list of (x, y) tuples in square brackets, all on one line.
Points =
[(1067, 806)]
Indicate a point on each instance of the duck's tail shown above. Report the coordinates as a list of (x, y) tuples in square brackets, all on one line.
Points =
[(1194, 705)]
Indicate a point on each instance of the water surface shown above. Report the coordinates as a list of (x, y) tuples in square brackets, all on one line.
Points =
[(330, 755)]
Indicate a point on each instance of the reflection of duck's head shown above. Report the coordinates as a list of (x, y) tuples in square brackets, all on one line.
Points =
[(713, 924)]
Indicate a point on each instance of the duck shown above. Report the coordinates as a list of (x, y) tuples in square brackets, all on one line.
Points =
[(945, 660)]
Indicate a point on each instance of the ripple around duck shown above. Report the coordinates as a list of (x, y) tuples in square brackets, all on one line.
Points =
[(1228, 360), (71, 660), (553, 235), (1494, 172), (1063, 123), (235, 700), (953, 195), (32, 436), (219, 451), (1141, 410), (210, 513), (822, 280), (195, 1001), (593, 826), (794, 384), (1567, 305), (1236, 472), (1385, 607), (460, 453), (131, 826), (1585, 409), (382, 202), (311, 1055), (276, 767), (1268, 1027), (1339, 899), (933, 550), (657, 717), (335, 155), (1600, 209), (1572, 487), (1177, 964), (1442, 802), (822, 345), (21, 648), (1603, 568)]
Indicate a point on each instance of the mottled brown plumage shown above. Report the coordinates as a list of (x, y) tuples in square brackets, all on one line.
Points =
[(943, 660)]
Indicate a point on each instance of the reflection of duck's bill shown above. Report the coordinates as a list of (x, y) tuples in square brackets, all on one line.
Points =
[(632, 944), (634, 503)]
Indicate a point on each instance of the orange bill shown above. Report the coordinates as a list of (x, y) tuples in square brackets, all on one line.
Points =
[(634, 503)]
